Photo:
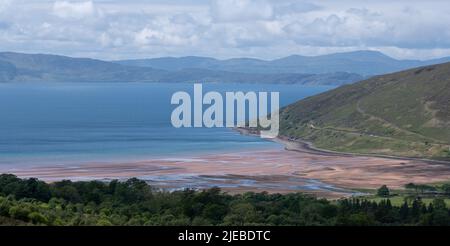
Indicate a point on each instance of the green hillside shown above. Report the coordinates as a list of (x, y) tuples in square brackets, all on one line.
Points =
[(402, 114)]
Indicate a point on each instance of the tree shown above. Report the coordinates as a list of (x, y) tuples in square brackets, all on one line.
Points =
[(439, 203), (241, 214), (424, 188), (446, 188), (416, 208), (440, 218), (214, 212), (383, 191), (19, 212), (404, 211), (360, 219), (37, 218), (133, 202), (411, 186)]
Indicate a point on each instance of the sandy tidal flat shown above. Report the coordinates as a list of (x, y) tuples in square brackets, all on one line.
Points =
[(326, 175)]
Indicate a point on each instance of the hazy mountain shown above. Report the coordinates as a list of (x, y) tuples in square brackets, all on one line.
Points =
[(175, 64), (203, 75), (16, 67), (405, 113), (360, 62)]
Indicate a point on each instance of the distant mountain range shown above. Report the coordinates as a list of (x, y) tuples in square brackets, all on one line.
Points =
[(403, 114), (17, 67), (365, 63), (335, 69)]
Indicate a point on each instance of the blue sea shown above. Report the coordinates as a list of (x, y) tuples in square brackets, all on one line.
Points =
[(61, 123)]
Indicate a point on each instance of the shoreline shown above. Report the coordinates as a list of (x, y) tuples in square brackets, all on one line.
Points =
[(327, 175), (298, 167), (300, 145)]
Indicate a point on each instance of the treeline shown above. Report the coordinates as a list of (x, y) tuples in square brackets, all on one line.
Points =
[(133, 202)]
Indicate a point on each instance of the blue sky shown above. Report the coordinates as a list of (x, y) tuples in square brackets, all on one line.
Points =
[(113, 29)]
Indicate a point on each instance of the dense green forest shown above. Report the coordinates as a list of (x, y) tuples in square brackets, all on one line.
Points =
[(133, 202)]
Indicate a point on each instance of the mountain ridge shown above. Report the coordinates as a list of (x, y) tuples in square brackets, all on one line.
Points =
[(364, 62), (333, 69), (19, 67)]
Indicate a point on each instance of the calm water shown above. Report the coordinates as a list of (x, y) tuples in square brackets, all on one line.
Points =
[(77, 123)]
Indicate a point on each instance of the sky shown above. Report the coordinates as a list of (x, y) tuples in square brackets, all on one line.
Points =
[(265, 29)]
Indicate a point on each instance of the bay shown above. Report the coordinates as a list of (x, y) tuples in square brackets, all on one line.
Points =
[(75, 123)]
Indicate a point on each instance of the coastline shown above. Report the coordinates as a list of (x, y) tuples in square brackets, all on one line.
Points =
[(300, 145), (297, 168)]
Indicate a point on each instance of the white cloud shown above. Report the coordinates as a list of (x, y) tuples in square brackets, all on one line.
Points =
[(287, 7), (4, 4), (351, 28), (179, 30), (76, 10), (241, 10), (363, 27), (113, 29), (148, 36)]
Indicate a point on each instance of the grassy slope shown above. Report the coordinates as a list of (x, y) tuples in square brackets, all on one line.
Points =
[(403, 114)]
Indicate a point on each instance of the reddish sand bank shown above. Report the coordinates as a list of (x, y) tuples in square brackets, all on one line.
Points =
[(327, 175)]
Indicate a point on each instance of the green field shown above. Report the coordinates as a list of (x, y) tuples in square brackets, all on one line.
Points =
[(399, 200), (399, 196)]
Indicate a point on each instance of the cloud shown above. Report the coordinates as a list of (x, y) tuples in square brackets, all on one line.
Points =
[(4, 4), (179, 30), (75, 10), (351, 28), (240, 10), (148, 36), (285, 7), (4, 25), (365, 28), (113, 29)]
